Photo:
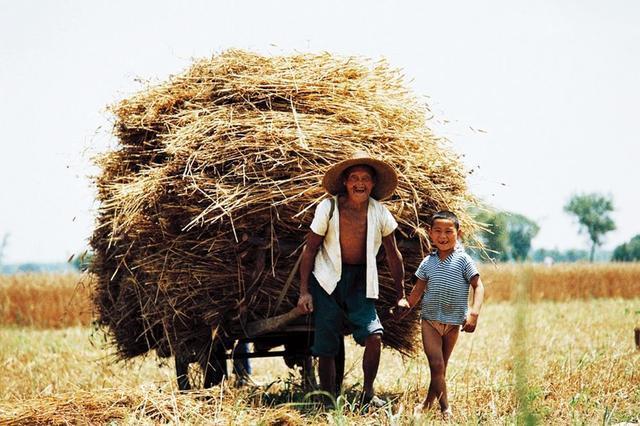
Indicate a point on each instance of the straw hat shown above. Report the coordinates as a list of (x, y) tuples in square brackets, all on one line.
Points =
[(386, 177)]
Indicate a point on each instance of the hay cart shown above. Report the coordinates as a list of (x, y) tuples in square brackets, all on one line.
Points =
[(237, 144), (292, 330)]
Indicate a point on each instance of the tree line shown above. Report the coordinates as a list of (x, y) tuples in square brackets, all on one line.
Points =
[(507, 236)]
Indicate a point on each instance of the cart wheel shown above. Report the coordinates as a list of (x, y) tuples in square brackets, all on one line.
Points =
[(214, 366), (182, 372), (202, 370)]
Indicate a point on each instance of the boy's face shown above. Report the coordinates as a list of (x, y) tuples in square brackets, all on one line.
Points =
[(359, 183), (444, 235)]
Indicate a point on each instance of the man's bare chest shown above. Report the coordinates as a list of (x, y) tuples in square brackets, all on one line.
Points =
[(353, 224)]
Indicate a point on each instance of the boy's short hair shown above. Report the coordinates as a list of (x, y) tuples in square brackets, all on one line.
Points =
[(445, 215)]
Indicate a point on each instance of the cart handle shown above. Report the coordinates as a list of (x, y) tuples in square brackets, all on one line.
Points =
[(267, 325)]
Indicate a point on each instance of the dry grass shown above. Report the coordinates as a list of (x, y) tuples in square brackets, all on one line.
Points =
[(581, 368), (44, 300), (57, 301), (564, 281)]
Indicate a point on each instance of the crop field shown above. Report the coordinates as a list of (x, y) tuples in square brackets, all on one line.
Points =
[(553, 346)]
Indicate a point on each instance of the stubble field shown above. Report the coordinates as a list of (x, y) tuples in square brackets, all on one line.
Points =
[(554, 345)]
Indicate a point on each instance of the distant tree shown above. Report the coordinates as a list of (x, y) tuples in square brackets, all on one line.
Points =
[(3, 245), (82, 261), (575, 255), (627, 252), (495, 238), (29, 267), (621, 253), (592, 212), (569, 255), (508, 236), (540, 254), (521, 231)]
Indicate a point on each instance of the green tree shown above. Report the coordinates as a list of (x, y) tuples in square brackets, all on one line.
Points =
[(521, 231), (495, 238), (30, 267), (627, 252), (82, 262), (592, 212), (3, 245), (508, 235), (575, 255), (540, 254), (570, 255)]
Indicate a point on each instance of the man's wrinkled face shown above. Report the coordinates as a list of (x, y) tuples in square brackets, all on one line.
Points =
[(444, 234), (359, 183)]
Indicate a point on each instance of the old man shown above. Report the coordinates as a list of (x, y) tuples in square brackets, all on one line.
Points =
[(338, 272)]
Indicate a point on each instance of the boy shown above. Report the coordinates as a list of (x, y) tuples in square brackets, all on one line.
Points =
[(444, 278)]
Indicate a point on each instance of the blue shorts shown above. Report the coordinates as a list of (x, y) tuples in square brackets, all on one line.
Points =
[(348, 303)]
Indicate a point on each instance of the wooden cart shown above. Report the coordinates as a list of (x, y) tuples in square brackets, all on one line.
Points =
[(291, 330)]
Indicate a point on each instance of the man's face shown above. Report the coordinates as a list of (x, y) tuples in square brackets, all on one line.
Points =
[(359, 183), (444, 234)]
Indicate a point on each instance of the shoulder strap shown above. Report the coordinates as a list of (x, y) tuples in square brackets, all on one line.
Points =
[(333, 207)]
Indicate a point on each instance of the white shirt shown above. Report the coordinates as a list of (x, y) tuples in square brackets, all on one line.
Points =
[(328, 262)]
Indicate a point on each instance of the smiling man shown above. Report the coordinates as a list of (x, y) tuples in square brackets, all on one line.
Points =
[(338, 272)]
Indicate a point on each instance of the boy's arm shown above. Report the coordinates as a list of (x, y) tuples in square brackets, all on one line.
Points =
[(471, 321), (417, 292)]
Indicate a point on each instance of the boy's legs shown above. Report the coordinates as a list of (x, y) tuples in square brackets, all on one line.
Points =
[(438, 349)]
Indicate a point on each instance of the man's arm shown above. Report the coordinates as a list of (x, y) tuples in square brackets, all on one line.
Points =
[(396, 267), (478, 296), (305, 302)]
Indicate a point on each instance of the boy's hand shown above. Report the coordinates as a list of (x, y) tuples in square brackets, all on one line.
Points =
[(305, 303), (403, 303), (401, 309), (470, 322)]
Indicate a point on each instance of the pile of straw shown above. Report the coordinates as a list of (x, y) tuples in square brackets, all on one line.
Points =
[(206, 200)]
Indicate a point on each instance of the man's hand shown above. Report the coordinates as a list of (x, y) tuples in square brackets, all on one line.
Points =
[(470, 322), (305, 303)]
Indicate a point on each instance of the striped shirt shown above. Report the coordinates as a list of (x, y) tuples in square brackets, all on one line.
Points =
[(447, 290)]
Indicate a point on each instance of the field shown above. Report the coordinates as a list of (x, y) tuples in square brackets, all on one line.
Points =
[(554, 345)]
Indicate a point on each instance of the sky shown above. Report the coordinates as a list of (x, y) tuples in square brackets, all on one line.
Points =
[(553, 85)]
